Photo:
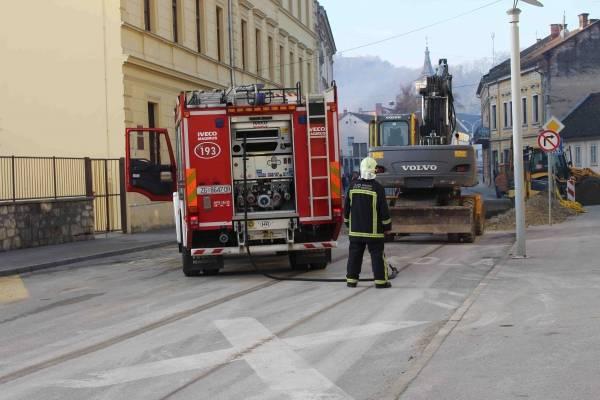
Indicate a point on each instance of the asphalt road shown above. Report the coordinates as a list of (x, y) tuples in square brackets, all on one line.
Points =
[(133, 327)]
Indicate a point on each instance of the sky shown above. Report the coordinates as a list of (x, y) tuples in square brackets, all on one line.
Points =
[(466, 38)]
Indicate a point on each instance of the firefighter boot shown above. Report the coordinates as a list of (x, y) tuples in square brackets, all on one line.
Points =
[(386, 285)]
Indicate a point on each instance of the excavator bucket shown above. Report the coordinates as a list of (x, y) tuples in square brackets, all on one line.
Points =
[(432, 220)]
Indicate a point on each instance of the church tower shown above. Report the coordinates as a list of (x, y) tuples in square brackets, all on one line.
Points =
[(426, 71)]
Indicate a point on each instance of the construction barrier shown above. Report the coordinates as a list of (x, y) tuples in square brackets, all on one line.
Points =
[(571, 189)]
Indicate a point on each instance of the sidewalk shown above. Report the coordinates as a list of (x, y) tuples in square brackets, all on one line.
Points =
[(534, 331), (104, 245)]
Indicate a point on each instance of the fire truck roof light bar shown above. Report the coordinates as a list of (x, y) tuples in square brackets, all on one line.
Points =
[(247, 95)]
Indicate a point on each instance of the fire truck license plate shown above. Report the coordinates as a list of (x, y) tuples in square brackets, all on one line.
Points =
[(214, 189)]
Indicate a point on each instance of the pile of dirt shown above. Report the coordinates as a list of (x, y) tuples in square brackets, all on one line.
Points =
[(536, 213)]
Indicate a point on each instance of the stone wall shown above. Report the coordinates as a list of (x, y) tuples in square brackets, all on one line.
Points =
[(39, 223)]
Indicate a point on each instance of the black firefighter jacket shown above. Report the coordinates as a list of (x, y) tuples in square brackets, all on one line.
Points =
[(366, 212)]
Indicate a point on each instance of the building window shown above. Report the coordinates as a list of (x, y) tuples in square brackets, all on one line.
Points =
[(270, 58), (307, 12), (578, 156), (140, 140), (153, 136), (536, 108), (494, 118), (244, 32), (506, 156), (175, 12), (495, 160), (362, 150), (524, 106), (292, 77), (282, 65), (350, 140), (310, 78), (510, 114), (594, 154), (199, 25), (505, 105), (259, 58), (301, 70), (148, 15), (219, 34)]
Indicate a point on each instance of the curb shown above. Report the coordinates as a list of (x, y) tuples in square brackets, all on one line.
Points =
[(52, 264)]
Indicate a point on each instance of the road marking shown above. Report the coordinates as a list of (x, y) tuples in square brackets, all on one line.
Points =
[(205, 361), (12, 289), (448, 263), (426, 261), (276, 364), (442, 304), (354, 332), (489, 262)]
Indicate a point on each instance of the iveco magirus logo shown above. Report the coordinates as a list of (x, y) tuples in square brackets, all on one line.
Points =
[(430, 167)]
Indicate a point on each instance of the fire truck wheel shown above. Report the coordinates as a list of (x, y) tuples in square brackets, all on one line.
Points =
[(321, 265), (189, 269), (210, 272), (453, 238), (294, 262)]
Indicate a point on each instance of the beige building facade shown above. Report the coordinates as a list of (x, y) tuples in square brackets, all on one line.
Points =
[(496, 98), (77, 73)]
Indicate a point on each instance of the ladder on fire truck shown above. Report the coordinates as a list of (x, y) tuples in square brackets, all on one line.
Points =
[(317, 141)]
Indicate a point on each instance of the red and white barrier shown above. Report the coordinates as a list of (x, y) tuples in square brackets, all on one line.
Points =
[(262, 249), (571, 189)]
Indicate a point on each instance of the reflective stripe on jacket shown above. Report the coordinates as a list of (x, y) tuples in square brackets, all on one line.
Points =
[(366, 211)]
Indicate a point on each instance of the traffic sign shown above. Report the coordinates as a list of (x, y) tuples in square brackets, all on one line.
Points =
[(554, 125), (548, 141)]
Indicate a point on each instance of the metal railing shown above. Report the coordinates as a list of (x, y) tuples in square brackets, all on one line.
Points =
[(38, 178), (53, 178)]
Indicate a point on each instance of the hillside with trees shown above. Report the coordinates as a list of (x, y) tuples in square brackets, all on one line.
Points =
[(364, 81)]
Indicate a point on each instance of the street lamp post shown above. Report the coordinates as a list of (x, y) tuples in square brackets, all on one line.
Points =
[(515, 67)]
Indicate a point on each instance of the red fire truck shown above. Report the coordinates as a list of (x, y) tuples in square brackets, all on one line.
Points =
[(253, 169)]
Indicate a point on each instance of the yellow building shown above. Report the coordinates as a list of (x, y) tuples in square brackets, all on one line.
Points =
[(76, 73), (496, 98)]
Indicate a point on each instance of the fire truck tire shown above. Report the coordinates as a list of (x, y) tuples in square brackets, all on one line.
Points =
[(210, 272), (453, 238), (321, 265), (189, 269), (293, 256)]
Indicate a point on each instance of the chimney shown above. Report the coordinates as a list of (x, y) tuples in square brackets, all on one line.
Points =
[(345, 111), (378, 108), (555, 30), (583, 20), (563, 30)]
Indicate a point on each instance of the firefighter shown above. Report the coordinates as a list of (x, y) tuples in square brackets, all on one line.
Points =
[(367, 216)]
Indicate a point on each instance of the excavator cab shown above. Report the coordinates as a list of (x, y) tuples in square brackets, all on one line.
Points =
[(392, 130), (538, 169)]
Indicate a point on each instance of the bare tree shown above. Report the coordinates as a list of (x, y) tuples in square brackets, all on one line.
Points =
[(407, 101)]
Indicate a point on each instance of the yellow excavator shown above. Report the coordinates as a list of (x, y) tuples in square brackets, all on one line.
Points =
[(587, 181), (423, 165)]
